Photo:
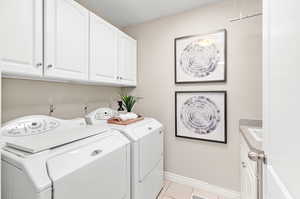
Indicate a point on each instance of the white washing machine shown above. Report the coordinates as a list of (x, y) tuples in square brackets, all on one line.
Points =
[(146, 152), (49, 158)]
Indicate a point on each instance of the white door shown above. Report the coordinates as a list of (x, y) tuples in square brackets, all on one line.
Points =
[(66, 40), (127, 60), (103, 50), (21, 37), (281, 99)]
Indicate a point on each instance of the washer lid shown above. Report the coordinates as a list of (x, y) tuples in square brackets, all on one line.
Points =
[(56, 138), (36, 124)]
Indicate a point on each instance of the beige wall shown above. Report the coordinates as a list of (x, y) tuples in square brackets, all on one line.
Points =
[(214, 163), (26, 97)]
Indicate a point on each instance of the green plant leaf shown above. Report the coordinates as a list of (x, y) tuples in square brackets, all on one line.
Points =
[(128, 102)]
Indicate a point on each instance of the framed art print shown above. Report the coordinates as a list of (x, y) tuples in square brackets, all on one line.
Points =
[(201, 115), (201, 58)]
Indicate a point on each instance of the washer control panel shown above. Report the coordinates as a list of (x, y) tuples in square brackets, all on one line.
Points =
[(38, 124), (30, 127)]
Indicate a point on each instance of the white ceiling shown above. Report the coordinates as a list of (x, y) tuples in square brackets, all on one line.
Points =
[(123, 13)]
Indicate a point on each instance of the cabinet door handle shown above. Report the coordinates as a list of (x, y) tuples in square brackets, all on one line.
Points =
[(96, 152), (121, 77), (244, 165), (50, 66), (39, 64)]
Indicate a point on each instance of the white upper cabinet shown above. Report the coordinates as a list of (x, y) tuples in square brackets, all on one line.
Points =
[(62, 40), (103, 50), (21, 37), (127, 60), (66, 40)]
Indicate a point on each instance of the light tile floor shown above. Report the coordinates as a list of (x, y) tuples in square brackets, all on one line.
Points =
[(173, 190)]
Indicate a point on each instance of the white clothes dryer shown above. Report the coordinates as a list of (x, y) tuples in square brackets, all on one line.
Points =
[(147, 158)]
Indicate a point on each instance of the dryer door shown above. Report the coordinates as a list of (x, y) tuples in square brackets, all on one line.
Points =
[(99, 170), (150, 150)]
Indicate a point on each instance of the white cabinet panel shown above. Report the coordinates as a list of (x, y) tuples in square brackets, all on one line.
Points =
[(248, 173), (127, 60), (66, 40), (103, 50), (248, 188), (21, 37)]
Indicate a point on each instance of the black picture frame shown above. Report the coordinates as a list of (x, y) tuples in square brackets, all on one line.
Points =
[(225, 116), (224, 80)]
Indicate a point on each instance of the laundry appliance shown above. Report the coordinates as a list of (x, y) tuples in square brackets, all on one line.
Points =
[(49, 158), (147, 156)]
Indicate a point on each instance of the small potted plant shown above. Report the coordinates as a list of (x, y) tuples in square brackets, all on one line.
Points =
[(128, 101)]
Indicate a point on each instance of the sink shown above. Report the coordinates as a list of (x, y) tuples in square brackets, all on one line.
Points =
[(256, 133)]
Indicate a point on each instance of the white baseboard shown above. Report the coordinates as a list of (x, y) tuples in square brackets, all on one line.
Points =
[(228, 194)]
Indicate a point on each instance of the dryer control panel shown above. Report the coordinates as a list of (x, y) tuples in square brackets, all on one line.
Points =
[(33, 125), (101, 114)]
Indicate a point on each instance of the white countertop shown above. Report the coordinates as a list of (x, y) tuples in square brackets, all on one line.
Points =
[(250, 131)]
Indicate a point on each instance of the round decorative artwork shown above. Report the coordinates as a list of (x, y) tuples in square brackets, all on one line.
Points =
[(200, 58), (200, 115)]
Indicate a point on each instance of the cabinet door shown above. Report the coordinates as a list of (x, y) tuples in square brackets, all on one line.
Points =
[(248, 177), (103, 50), (21, 37), (66, 40), (243, 185), (127, 60), (249, 191)]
